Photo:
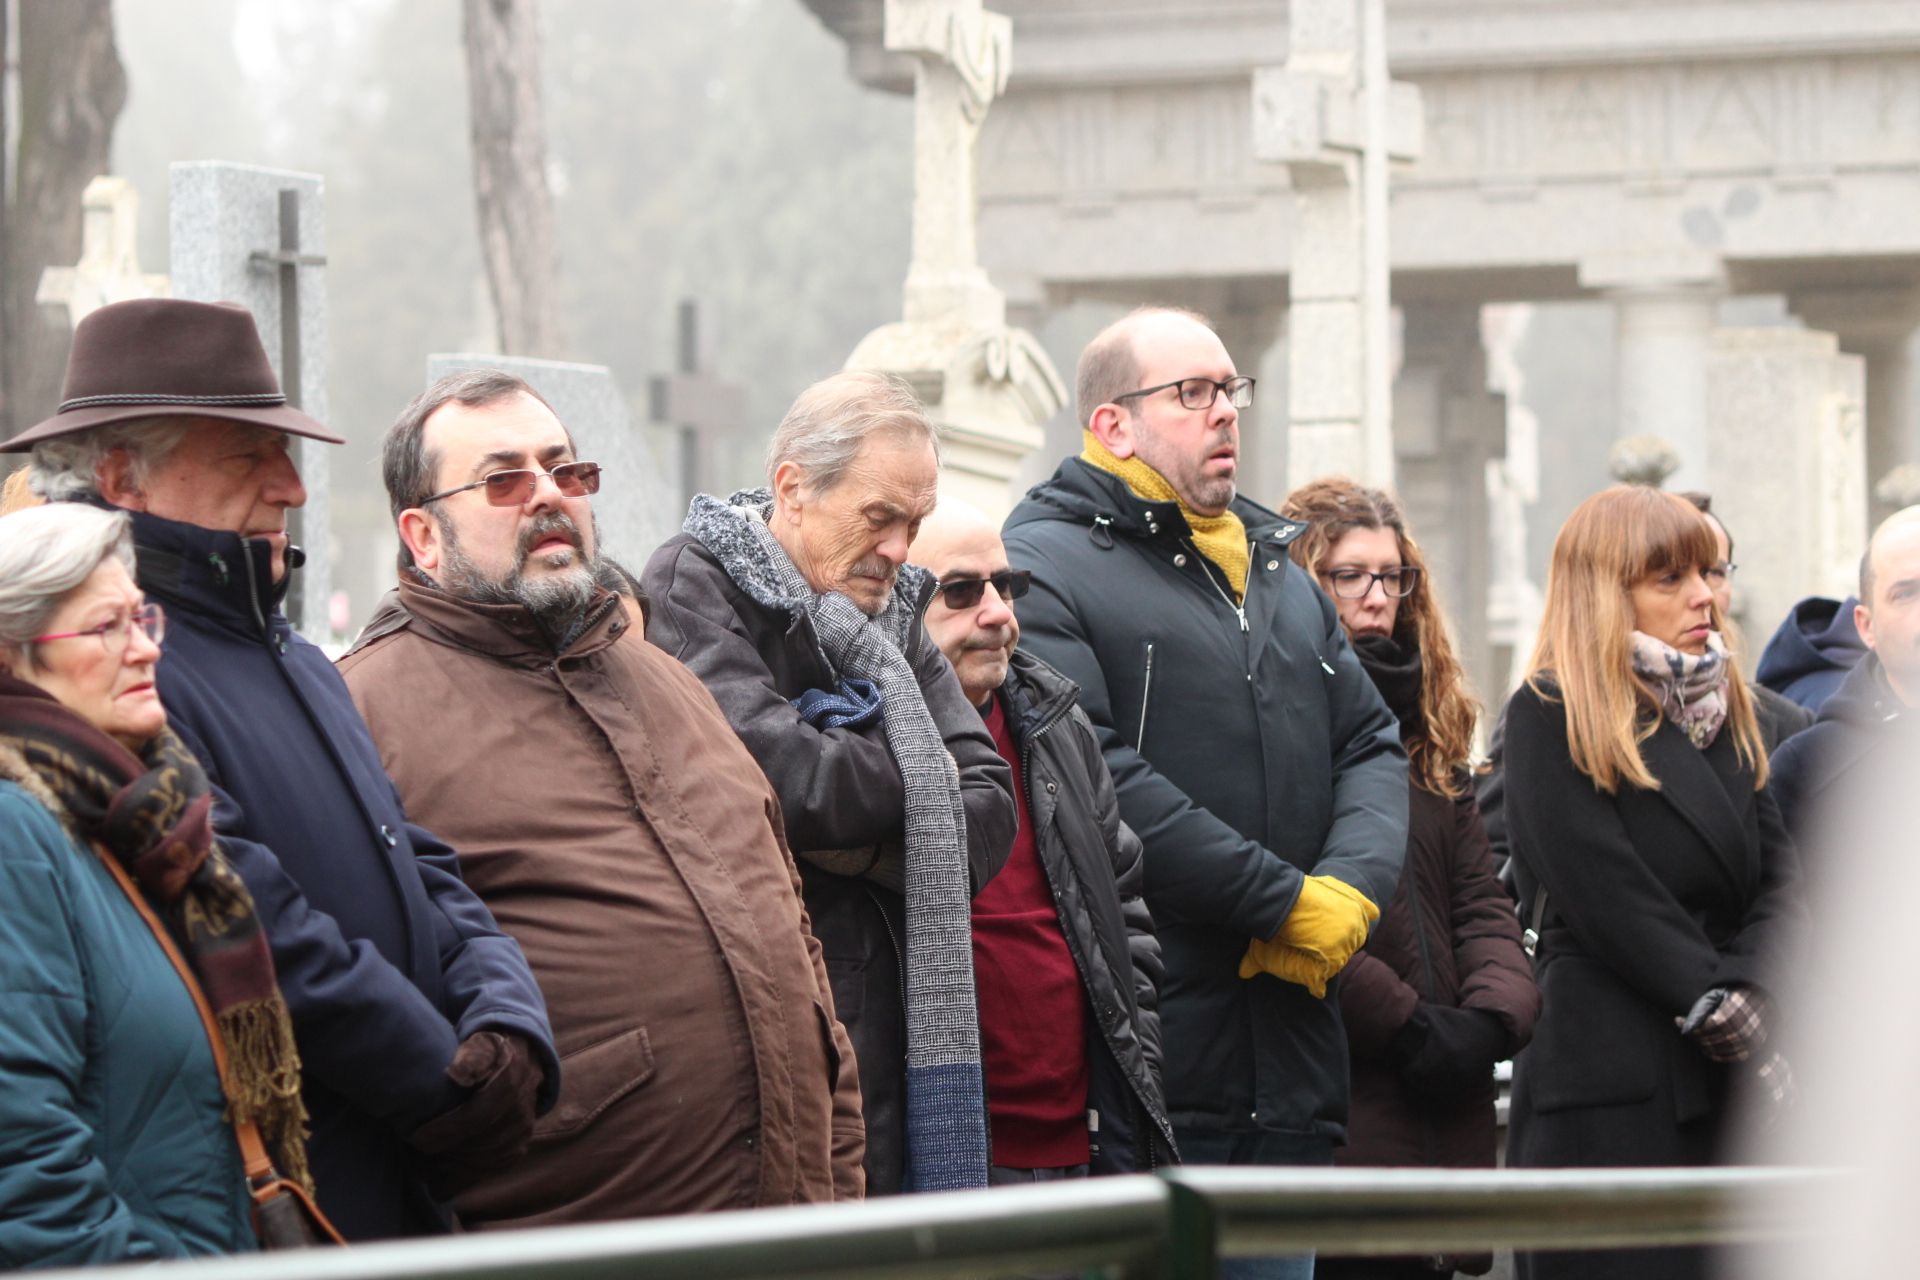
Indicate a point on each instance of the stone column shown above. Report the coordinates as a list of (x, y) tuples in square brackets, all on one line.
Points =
[(1790, 468), (1877, 324), (1664, 306), (1249, 333), (1447, 427)]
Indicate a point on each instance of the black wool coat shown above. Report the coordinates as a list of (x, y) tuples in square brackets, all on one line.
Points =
[(1249, 749), (1654, 897)]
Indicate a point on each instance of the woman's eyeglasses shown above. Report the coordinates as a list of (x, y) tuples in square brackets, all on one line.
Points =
[(1353, 584), (964, 593), (116, 633), (514, 488)]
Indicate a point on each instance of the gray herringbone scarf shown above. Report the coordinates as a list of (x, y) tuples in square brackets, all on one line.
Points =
[(947, 1141)]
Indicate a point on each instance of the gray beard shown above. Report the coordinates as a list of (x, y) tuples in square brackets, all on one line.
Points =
[(557, 600)]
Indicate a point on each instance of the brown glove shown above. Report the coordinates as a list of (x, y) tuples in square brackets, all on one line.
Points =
[(492, 1126)]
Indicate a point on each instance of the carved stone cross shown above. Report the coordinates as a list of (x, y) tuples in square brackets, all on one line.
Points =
[(1335, 120), (109, 266), (962, 54)]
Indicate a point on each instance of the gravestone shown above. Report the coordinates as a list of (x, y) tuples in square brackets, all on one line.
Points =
[(240, 233), (1786, 424), (109, 267), (636, 506)]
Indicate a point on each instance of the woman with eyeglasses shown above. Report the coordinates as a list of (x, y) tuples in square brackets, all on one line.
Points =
[(1652, 866), (1442, 990), (125, 940)]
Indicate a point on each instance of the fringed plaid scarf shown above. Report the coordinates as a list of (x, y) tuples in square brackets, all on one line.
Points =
[(154, 813)]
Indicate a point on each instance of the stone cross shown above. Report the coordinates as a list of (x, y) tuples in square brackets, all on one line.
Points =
[(1335, 120), (109, 266), (636, 509), (704, 412), (239, 233), (989, 385)]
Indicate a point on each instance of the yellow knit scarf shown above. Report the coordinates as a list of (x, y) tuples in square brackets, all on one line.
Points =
[(1221, 539)]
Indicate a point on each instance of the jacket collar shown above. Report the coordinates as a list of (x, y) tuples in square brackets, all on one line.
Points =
[(211, 572), (1083, 493), (1035, 695), (507, 632)]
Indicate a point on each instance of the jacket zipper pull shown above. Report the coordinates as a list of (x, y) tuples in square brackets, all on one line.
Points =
[(1324, 667), (1241, 610)]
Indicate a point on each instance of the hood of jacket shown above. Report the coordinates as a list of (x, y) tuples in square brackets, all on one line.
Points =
[(1865, 700), (1817, 635)]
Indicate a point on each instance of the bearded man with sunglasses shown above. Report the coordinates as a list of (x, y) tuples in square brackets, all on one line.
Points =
[(1065, 959), (1248, 747), (612, 819), (423, 1040)]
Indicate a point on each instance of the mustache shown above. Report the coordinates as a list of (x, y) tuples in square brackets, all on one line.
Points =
[(997, 639), (543, 527), (874, 567)]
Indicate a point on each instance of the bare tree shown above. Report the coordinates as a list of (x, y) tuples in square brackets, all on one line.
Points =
[(510, 174), (72, 88)]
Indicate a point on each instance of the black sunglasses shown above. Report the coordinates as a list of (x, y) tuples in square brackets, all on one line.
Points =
[(964, 593), (514, 488)]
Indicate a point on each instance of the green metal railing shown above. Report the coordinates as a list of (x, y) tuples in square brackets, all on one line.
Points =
[(1172, 1227)]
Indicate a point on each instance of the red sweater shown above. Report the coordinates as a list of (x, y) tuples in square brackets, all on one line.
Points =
[(1033, 1021)]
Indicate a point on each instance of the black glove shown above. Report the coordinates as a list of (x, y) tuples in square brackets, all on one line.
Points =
[(491, 1127), (1445, 1053)]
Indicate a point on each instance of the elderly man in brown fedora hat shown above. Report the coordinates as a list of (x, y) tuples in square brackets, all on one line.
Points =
[(424, 1038)]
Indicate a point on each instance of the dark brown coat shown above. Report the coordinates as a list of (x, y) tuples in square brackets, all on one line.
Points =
[(621, 832), (1448, 937)]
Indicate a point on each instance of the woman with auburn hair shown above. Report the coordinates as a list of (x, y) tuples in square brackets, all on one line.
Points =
[(1652, 865), (1442, 990)]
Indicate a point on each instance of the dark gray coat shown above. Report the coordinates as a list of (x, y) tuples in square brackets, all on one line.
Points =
[(1093, 863), (840, 792), (1246, 756)]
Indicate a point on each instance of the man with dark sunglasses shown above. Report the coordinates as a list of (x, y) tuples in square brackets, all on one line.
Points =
[(620, 831), (1249, 749), (1065, 960)]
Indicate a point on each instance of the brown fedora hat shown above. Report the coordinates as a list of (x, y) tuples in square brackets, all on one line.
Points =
[(166, 357)]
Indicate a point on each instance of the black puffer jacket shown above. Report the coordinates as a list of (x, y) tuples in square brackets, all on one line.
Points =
[(1093, 864), (1248, 749), (841, 797)]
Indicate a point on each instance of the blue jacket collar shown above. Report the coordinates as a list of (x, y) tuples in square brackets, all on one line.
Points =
[(212, 572)]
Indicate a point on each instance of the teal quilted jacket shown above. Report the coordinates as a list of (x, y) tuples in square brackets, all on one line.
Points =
[(112, 1145)]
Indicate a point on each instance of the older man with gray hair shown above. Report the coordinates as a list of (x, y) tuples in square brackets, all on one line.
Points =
[(796, 607)]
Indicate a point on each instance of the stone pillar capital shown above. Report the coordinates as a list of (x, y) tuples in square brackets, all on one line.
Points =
[(1862, 318)]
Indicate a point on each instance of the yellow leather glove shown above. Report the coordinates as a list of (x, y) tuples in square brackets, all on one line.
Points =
[(1330, 919), (1289, 964), (1328, 923)]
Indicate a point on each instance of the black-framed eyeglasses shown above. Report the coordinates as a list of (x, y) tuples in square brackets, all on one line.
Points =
[(1718, 575), (1353, 584), (964, 593), (514, 488), (1199, 393), (116, 633)]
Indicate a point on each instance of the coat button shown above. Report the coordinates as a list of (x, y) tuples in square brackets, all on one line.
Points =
[(1180, 560), (1051, 788), (1272, 565)]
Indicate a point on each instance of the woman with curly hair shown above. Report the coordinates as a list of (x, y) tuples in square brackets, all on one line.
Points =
[(1651, 862), (1442, 990)]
